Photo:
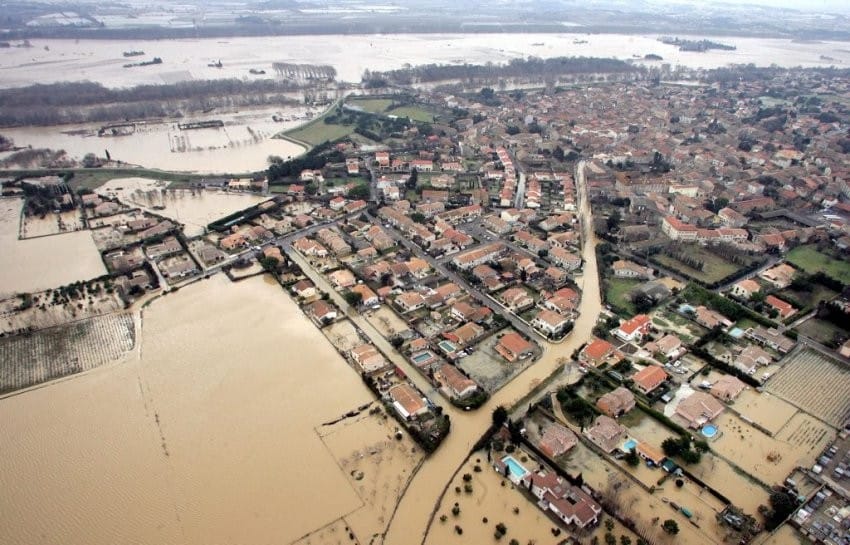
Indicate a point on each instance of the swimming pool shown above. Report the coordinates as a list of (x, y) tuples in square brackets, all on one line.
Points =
[(629, 445), (447, 346), (709, 431), (517, 471), (422, 357)]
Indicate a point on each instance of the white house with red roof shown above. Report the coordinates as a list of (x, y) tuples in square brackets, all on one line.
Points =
[(633, 329)]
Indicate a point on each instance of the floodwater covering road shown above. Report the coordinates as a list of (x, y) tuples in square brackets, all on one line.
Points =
[(412, 518)]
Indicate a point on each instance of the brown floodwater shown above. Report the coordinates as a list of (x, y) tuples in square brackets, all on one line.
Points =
[(205, 435), (42, 263), (194, 209), (242, 145)]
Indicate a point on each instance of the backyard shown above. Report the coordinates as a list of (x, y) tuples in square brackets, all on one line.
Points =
[(617, 292), (714, 267)]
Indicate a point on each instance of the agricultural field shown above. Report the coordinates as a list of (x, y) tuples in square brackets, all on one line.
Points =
[(64, 350), (617, 292), (817, 384), (809, 259)]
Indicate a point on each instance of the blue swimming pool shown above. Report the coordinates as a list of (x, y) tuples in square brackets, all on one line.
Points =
[(422, 357), (709, 431), (447, 346), (629, 445), (517, 471)]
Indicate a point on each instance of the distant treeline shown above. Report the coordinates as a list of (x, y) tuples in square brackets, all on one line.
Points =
[(83, 102), (532, 66)]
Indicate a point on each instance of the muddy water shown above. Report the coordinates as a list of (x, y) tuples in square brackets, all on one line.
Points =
[(42, 263), (415, 508), (194, 209), (102, 61), (242, 145), (206, 437)]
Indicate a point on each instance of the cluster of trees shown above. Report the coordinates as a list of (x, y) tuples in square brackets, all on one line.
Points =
[(782, 504), (532, 66), (689, 452), (576, 406), (314, 159), (82, 102)]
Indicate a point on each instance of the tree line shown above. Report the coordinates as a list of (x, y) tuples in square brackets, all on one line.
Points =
[(84, 102)]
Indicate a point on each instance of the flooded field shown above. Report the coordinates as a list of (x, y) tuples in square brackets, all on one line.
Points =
[(387, 322), (26, 360), (771, 459), (51, 224), (195, 442), (42, 263), (765, 409), (243, 144), (193, 208), (495, 498), (102, 60), (827, 382)]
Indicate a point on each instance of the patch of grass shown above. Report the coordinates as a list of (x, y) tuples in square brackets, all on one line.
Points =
[(371, 105), (715, 267), (617, 293), (823, 332), (809, 299), (416, 113), (811, 260), (317, 132)]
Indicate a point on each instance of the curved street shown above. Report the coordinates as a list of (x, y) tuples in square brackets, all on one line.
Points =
[(410, 523)]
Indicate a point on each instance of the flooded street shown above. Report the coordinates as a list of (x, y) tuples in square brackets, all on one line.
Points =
[(193, 439), (243, 144), (413, 514), (41, 263), (102, 60)]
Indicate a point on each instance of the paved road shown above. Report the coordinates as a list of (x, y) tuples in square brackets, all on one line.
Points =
[(412, 517)]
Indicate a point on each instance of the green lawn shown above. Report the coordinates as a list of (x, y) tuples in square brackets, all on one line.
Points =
[(415, 113), (371, 105), (617, 293), (811, 260), (317, 132)]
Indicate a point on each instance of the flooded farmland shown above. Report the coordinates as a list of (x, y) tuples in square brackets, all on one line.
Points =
[(46, 262), (191, 440), (243, 144), (188, 59), (193, 208)]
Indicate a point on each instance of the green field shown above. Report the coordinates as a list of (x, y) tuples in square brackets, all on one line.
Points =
[(715, 267), (809, 299), (317, 132), (617, 293), (811, 260), (416, 113), (372, 105)]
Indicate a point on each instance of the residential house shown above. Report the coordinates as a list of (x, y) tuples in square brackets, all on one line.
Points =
[(342, 278), (465, 334), (304, 289), (779, 276), (750, 357), (309, 247), (556, 440), (597, 352), (321, 312), (727, 388), (616, 402), (698, 409), (516, 299), (564, 258), (710, 319), (368, 297), (629, 269), (409, 301), (407, 401), (368, 358), (770, 337), (783, 308), (649, 378), (606, 433), (633, 329), (678, 230), (669, 346), (746, 288), (513, 347), (550, 323), (453, 382)]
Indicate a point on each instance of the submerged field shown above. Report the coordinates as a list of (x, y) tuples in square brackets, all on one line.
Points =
[(210, 437)]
